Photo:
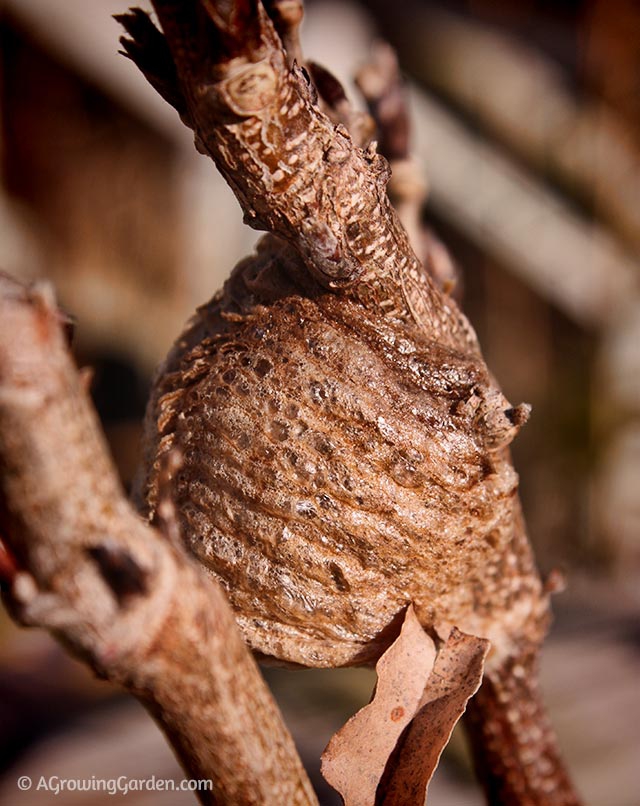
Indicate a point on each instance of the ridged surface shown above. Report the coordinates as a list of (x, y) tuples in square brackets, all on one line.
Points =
[(338, 466)]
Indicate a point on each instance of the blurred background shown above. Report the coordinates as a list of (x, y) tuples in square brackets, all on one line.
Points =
[(527, 124)]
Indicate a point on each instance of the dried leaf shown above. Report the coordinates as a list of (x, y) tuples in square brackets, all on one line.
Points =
[(456, 676), (355, 758)]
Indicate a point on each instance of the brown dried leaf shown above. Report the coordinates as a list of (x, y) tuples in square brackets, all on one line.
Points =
[(355, 758), (456, 676)]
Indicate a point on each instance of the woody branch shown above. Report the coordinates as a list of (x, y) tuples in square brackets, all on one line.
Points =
[(295, 172), (119, 594)]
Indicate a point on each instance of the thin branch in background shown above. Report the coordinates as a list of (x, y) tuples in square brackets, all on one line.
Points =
[(287, 16), (381, 84)]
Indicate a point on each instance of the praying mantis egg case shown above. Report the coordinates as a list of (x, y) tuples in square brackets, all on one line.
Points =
[(336, 467)]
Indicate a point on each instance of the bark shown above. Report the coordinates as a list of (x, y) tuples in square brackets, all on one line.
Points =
[(294, 173), (115, 591), (514, 746)]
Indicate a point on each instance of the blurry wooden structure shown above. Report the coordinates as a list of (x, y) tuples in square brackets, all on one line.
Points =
[(102, 179), (533, 158), (104, 193)]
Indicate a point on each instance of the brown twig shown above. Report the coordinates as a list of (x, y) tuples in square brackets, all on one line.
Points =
[(124, 599), (287, 16), (513, 743), (294, 172), (381, 84), (339, 108)]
